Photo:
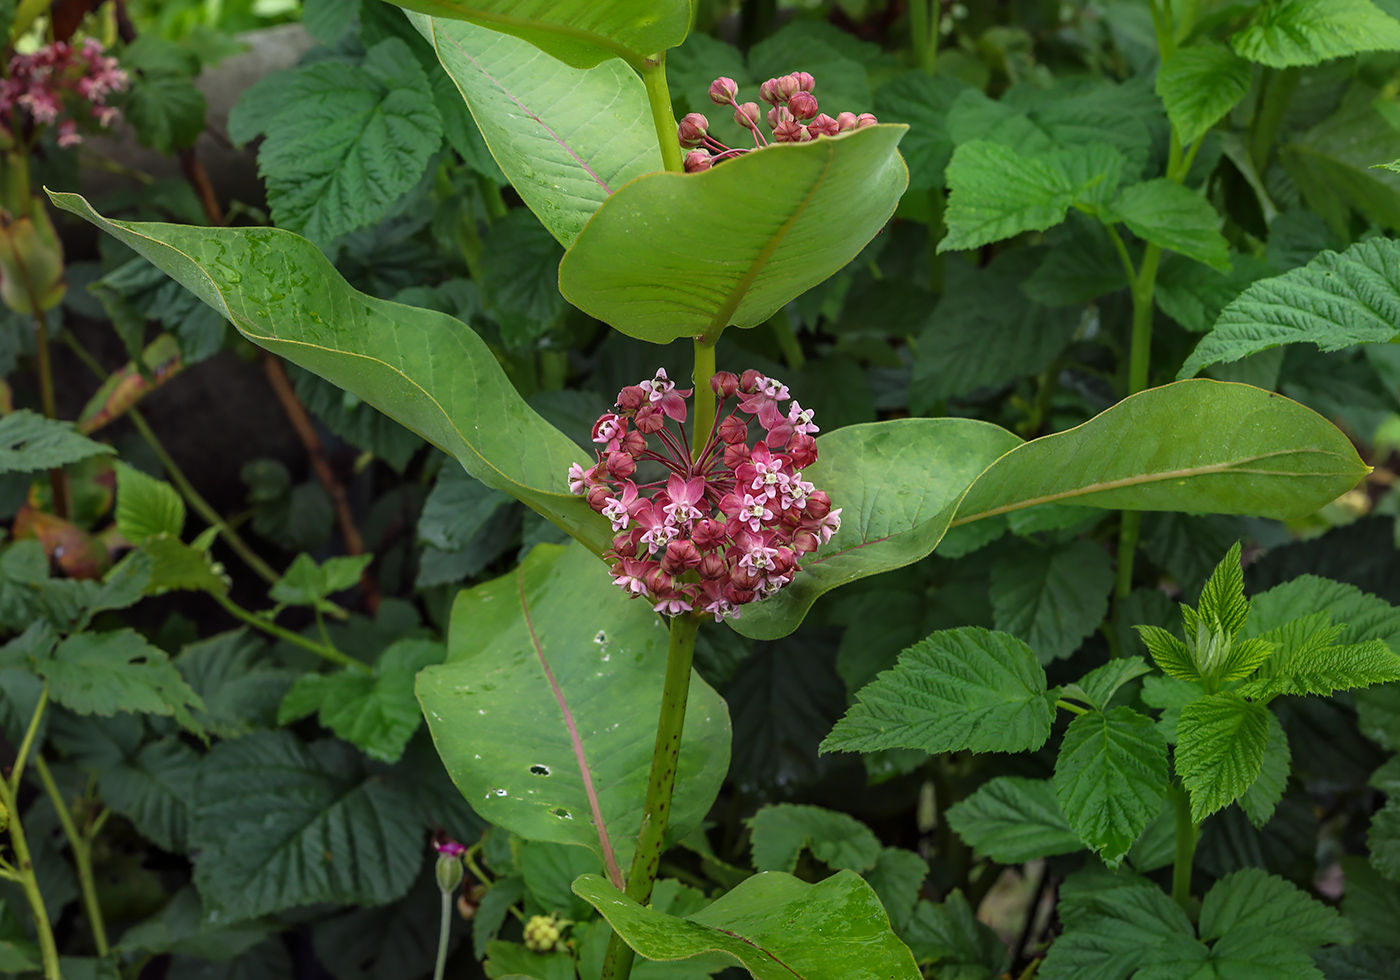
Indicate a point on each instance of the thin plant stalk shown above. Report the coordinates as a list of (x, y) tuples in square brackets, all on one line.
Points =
[(444, 932), (17, 771), (296, 639), (24, 868), (80, 843)]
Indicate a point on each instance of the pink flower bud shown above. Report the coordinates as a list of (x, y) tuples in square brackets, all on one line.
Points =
[(790, 131), (680, 556), (734, 430), (724, 384), (866, 119), (698, 161), (649, 419), (723, 91), (735, 455), (777, 115), (708, 534), (746, 115), (818, 504), (823, 125), (783, 561), (768, 91), (712, 567), (750, 380), (805, 82), (805, 542), (692, 130), (847, 121), (803, 450), (624, 545), (659, 581), (634, 444), (745, 578), (738, 596), (803, 105), (785, 88), (598, 496), (621, 465), (631, 397)]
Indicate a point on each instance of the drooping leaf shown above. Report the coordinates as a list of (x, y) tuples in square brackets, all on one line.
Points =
[(580, 33), (1111, 778), (30, 442), (1197, 446), (897, 484), (538, 662), (1011, 820), (562, 159), (1199, 85), (1334, 301), (278, 823), (780, 833), (1052, 598), (430, 372), (1167, 214), (146, 506), (1220, 749), (1291, 33), (734, 244), (774, 925)]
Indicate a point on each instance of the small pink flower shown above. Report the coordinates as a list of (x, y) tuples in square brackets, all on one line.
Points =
[(619, 509), (609, 427), (755, 511), (803, 105), (630, 575), (692, 130), (684, 494), (698, 161), (577, 479)]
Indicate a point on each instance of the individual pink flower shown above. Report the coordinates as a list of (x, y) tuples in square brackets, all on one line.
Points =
[(685, 495), (619, 509)]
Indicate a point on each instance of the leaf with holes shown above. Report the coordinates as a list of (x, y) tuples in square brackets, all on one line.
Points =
[(525, 712), (686, 255)]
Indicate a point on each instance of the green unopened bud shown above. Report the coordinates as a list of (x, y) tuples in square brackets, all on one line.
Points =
[(449, 872), (542, 933)]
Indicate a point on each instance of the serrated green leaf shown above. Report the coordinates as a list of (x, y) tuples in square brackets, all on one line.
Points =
[(1169, 653), (780, 833), (103, 673), (1322, 669), (1199, 85), (1358, 963), (238, 680), (308, 583), (278, 823), (1011, 820), (1371, 903), (1111, 778), (1383, 840), (1334, 301), (1261, 799), (1098, 687), (1291, 33), (997, 193), (897, 878), (177, 566), (922, 101), (1113, 932), (958, 690), (951, 935), (773, 924), (550, 870), (1052, 597), (30, 442), (1167, 214), (1220, 750), (152, 789), (1254, 904), (162, 105), (146, 506), (519, 275), (348, 141), (1222, 606)]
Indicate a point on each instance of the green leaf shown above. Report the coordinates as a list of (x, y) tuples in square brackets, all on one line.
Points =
[(1358, 963), (238, 680), (774, 925), (29, 442), (897, 878), (1199, 85), (951, 936), (1334, 301), (1220, 750), (353, 421), (580, 33), (18, 953), (1223, 607), (688, 269), (177, 566), (1169, 653), (1111, 778), (565, 137), (519, 278), (922, 101), (1198, 446), (1252, 904), (1111, 932), (348, 141), (538, 663), (1261, 799), (1291, 33), (550, 870), (103, 673), (428, 371), (1323, 667), (780, 833), (146, 506), (1371, 903), (1011, 820), (1098, 687), (162, 105), (897, 483), (269, 960), (1052, 597), (957, 690), (378, 711), (1167, 214), (278, 823), (152, 789), (1383, 840), (307, 583)]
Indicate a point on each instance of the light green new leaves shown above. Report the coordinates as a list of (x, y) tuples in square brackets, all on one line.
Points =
[(897, 484), (776, 926), (779, 834), (309, 583), (1334, 301), (563, 161), (1292, 33), (958, 690), (1198, 85), (30, 442), (146, 506), (1194, 446), (1111, 778), (686, 255), (581, 33), (427, 370), (539, 662), (378, 711), (1012, 820), (1167, 214), (1220, 748), (1319, 666)]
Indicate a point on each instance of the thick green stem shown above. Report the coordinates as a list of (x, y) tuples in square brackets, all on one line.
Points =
[(24, 865), (651, 841), (659, 96), (923, 27), (787, 339), (17, 771), (1187, 833), (81, 845), (296, 639), (444, 932), (704, 398)]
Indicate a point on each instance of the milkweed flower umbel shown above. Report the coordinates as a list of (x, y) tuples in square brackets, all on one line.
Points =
[(714, 530)]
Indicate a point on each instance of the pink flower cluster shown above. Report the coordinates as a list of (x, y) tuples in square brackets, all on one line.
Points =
[(793, 118), (711, 530), (61, 80)]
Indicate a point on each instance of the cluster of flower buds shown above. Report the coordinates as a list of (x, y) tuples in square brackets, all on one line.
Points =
[(62, 84), (714, 529), (793, 118)]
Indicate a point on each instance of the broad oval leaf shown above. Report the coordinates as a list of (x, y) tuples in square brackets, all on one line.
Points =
[(428, 371), (1204, 447), (581, 33), (898, 484), (685, 255), (1199, 84), (545, 710), (565, 137), (777, 926)]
